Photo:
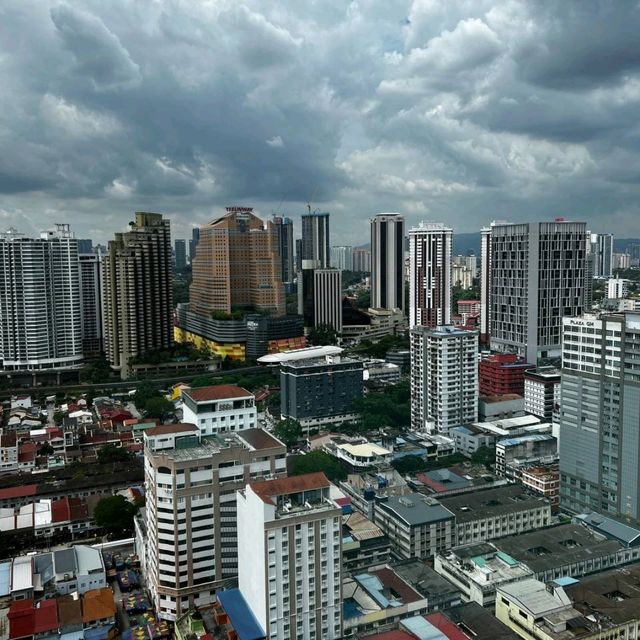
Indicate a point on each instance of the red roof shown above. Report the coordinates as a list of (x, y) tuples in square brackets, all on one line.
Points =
[(46, 616), (450, 629), (268, 489), (217, 392), (18, 492), (164, 429), (21, 619), (396, 634), (27, 452), (60, 510)]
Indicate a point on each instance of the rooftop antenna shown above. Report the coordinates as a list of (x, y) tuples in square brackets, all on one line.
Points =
[(315, 189)]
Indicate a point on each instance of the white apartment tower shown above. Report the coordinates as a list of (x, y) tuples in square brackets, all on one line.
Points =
[(387, 261), (290, 557), (430, 248), (342, 258), (40, 304), (187, 535), (536, 276), (602, 250), (444, 378)]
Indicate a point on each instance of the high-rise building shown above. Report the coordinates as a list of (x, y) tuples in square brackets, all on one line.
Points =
[(85, 245), (542, 392), (537, 276), (320, 297), (316, 253), (187, 535), (284, 227), (621, 261), (138, 292), (617, 288), (430, 246), (92, 302), (387, 261), (485, 280), (237, 266), (290, 557), (502, 374), (180, 254), (361, 260), (444, 378), (298, 256), (193, 244), (602, 250), (40, 302), (342, 258), (600, 415)]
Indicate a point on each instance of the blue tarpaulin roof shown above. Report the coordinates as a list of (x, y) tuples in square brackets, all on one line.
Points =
[(240, 615), (97, 633)]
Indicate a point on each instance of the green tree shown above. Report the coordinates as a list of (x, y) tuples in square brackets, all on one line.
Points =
[(115, 514), (322, 334), (144, 392), (110, 453), (97, 371), (58, 417), (484, 455), (318, 461), (289, 431), (158, 407), (46, 449), (363, 299), (410, 464)]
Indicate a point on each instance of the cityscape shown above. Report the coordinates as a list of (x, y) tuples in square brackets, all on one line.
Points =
[(340, 381)]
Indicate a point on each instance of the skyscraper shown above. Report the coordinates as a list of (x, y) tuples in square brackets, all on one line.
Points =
[(342, 258), (387, 261), (602, 250), (316, 253), (430, 246), (284, 229), (181, 254), (485, 280), (92, 302), (289, 556), (193, 245), (537, 276), (444, 378), (237, 266), (138, 294), (320, 297), (600, 415), (361, 260), (40, 305)]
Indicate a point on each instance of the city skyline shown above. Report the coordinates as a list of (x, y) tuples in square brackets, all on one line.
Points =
[(438, 111)]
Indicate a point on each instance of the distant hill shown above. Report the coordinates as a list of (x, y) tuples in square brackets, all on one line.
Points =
[(621, 245), (466, 243)]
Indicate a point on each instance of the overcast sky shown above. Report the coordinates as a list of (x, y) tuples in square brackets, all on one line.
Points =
[(457, 111)]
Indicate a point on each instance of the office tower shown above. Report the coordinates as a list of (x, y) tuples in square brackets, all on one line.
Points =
[(188, 535), (180, 254), (220, 408), (537, 276), (387, 261), (85, 245), (589, 270), (284, 229), (617, 288), (327, 304), (289, 557), (444, 378), (542, 392), (92, 302), (600, 415), (40, 307), (193, 244), (138, 294), (315, 240), (298, 256), (430, 275), (342, 258), (237, 266), (361, 260), (602, 250), (333, 382), (485, 280)]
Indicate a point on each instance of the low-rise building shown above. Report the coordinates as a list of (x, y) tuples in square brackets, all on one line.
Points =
[(542, 391), (439, 592), (544, 480), (502, 373), (219, 408), (363, 543), (367, 487), (495, 407), (513, 455), (478, 569), (496, 512), (361, 455), (417, 525)]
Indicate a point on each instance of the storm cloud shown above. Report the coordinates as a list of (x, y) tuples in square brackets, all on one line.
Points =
[(463, 111)]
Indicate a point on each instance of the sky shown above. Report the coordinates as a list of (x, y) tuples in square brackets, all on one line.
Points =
[(460, 111)]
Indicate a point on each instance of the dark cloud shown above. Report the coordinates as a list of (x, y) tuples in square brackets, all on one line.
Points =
[(461, 110)]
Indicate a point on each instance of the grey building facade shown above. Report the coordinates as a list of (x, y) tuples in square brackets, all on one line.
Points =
[(320, 391), (284, 228), (387, 261)]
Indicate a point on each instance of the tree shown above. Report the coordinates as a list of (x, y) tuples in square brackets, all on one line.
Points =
[(115, 514), (289, 431), (97, 372), (322, 334), (58, 417), (318, 461), (46, 449), (158, 407), (410, 464), (110, 453), (484, 455), (145, 391)]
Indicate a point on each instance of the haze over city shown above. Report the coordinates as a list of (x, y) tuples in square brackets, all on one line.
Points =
[(454, 110)]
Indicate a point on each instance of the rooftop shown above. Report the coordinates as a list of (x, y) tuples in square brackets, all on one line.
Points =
[(217, 392), (364, 450), (629, 536), (268, 489), (416, 509), (258, 439), (557, 546), (165, 429), (492, 502), (360, 527), (300, 354), (98, 604), (423, 578), (240, 615), (479, 623)]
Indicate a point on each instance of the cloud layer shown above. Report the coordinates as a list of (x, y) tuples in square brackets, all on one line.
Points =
[(462, 111)]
